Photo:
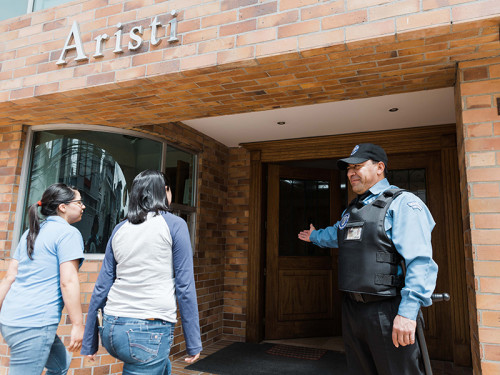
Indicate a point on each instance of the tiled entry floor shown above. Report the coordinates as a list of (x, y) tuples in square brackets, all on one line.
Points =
[(330, 343), (178, 366)]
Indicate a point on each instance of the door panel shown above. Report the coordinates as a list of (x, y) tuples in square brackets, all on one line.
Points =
[(421, 174), (302, 294), (300, 280)]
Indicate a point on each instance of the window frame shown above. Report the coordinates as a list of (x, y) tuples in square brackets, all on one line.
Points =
[(27, 155), (31, 5)]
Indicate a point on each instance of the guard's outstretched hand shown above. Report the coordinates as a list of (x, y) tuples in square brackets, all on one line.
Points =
[(403, 331), (305, 234)]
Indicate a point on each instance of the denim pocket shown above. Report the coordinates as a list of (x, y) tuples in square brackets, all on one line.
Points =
[(144, 345)]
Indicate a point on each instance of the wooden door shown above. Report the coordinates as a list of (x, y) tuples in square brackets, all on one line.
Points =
[(422, 175), (301, 285)]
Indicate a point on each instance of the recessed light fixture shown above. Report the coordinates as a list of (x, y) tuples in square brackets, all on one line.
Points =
[(394, 109), (281, 122)]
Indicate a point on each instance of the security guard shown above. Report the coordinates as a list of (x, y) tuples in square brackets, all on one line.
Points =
[(381, 229)]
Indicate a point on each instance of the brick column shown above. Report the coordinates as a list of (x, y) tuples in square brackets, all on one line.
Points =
[(11, 153), (478, 129), (236, 255)]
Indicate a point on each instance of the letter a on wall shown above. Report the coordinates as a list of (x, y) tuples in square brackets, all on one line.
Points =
[(75, 36)]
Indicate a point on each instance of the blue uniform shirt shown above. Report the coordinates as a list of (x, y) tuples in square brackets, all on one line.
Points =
[(408, 223), (35, 298)]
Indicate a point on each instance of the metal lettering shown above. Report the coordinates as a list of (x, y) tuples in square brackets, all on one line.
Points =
[(173, 28), (80, 53), (137, 38), (118, 43), (154, 26), (99, 40)]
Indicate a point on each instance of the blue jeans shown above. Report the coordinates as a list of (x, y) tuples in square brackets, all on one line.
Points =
[(142, 345), (33, 348)]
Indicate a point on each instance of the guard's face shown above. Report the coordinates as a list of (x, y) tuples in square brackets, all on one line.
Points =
[(364, 175)]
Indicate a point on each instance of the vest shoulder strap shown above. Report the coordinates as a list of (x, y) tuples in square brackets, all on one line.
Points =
[(393, 192)]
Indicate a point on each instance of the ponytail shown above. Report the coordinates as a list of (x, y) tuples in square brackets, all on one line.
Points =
[(51, 199), (34, 222)]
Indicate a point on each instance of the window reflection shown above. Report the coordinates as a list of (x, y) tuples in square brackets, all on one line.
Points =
[(179, 169), (100, 165), (302, 202), (44, 4), (412, 180), (12, 8), (16, 8)]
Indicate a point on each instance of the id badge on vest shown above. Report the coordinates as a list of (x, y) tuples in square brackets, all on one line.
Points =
[(354, 231)]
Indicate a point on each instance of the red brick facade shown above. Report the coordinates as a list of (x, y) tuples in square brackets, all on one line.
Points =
[(478, 124), (238, 56)]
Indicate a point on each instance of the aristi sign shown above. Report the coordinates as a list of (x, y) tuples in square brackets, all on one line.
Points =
[(135, 43)]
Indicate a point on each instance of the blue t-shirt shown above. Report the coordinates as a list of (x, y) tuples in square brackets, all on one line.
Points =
[(35, 298)]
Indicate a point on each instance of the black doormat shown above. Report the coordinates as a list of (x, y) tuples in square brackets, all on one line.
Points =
[(292, 351), (252, 359)]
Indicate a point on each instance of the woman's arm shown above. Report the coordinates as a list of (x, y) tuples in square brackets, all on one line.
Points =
[(70, 289), (185, 287), (104, 282), (7, 281)]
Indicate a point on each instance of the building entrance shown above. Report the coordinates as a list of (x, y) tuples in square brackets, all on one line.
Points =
[(301, 295)]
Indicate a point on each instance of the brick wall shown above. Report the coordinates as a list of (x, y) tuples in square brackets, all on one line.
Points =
[(478, 129), (211, 33), (236, 255), (11, 151), (209, 257)]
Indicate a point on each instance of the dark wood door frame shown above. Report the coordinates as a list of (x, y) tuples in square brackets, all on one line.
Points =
[(432, 138)]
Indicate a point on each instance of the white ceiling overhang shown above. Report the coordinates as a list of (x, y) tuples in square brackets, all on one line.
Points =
[(415, 109)]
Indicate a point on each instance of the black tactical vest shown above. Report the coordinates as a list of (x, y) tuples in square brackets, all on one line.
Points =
[(368, 260)]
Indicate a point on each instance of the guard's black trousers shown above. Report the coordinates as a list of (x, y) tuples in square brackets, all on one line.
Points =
[(367, 332)]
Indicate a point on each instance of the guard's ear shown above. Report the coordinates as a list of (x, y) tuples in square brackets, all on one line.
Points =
[(380, 167)]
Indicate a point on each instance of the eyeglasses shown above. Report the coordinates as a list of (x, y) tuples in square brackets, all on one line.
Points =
[(77, 201)]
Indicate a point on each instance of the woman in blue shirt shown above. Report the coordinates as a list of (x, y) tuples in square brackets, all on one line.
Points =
[(148, 265), (43, 277)]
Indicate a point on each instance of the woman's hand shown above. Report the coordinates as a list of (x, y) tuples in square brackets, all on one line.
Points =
[(76, 338), (192, 358), (7, 281), (91, 357), (70, 289)]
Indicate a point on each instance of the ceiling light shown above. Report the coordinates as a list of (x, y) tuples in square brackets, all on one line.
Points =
[(281, 122), (394, 109)]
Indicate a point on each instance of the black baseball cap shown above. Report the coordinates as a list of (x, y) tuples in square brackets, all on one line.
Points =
[(362, 153)]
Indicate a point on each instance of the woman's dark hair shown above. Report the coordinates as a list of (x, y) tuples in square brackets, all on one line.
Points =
[(146, 195), (51, 199)]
